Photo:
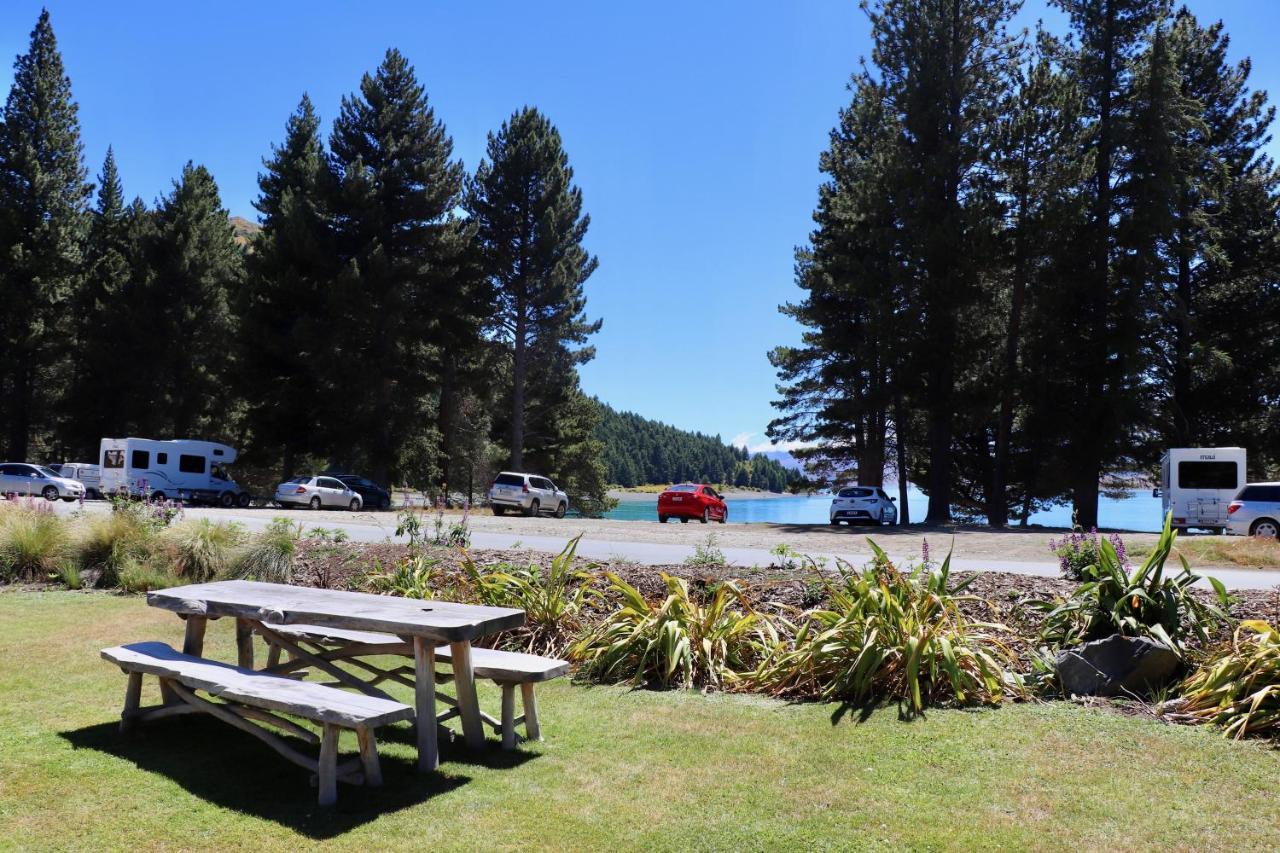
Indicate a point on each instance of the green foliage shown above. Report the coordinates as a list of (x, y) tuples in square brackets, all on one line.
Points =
[(891, 635), (202, 548), (68, 572), (107, 542), (706, 555), (1238, 691), (270, 555), (1146, 603), (677, 642), (552, 601), (141, 576), (32, 540), (414, 577)]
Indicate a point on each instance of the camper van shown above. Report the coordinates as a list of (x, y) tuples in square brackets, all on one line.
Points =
[(1197, 484), (180, 470)]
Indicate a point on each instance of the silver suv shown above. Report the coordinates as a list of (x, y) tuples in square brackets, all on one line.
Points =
[(1256, 511), (526, 493)]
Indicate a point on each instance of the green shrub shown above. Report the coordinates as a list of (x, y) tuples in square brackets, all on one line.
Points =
[(107, 541), (1239, 691), (202, 548), (270, 556), (678, 642), (32, 541), (552, 601), (140, 576), (1146, 603), (69, 574), (889, 635), (706, 555), (413, 577)]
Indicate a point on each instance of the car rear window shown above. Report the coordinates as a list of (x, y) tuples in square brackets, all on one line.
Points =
[(299, 480), (1270, 494), (509, 480), (684, 487), (856, 493)]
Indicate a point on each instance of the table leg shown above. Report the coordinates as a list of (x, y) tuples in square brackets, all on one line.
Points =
[(464, 681), (424, 670), (244, 642), (193, 642)]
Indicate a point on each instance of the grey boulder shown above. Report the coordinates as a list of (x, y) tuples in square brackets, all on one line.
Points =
[(1116, 666)]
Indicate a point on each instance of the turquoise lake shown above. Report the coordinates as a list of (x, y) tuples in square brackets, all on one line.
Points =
[(1139, 511)]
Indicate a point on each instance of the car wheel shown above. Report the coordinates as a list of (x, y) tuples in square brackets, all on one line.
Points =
[(354, 506), (561, 510), (315, 502), (158, 497), (244, 499), (684, 520), (706, 515), (724, 516), (835, 522), (532, 511), (1266, 528), (50, 493), (227, 500), (499, 510), (384, 503), (662, 519)]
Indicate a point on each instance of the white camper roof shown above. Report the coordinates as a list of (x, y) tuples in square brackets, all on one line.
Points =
[(212, 449)]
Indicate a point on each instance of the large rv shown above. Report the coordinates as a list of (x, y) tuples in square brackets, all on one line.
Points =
[(1197, 484), (182, 470)]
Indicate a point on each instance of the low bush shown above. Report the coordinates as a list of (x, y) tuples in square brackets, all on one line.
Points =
[(552, 600), (1145, 603), (1239, 691), (891, 635), (202, 548), (32, 540), (141, 576), (677, 642), (706, 555), (68, 573), (1078, 551), (106, 542), (416, 576), (269, 556)]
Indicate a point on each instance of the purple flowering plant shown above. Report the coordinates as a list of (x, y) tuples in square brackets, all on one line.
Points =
[(1078, 550)]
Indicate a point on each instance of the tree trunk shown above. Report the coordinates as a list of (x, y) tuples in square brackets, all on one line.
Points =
[(998, 504), (20, 410), (1181, 408), (904, 509), (519, 372)]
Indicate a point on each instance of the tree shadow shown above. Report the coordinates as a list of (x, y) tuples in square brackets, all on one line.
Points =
[(226, 767)]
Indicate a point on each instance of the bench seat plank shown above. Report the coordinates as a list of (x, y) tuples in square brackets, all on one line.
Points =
[(311, 701)]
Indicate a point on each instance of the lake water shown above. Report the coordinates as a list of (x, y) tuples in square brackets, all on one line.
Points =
[(1138, 511)]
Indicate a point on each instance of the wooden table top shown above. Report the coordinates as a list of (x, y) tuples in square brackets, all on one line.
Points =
[(281, 604)]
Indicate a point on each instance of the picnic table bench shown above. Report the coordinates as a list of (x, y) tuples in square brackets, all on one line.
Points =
[(249, 698)]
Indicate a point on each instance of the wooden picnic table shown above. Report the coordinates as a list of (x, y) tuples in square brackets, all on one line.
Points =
[(257, 606)]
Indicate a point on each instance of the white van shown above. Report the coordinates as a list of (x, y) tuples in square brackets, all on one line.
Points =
[(86, 473), (1197, 484), (182, 470)]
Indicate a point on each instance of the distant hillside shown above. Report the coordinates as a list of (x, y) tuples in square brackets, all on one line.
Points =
[(244, 229), (785, 459), (639, 451)]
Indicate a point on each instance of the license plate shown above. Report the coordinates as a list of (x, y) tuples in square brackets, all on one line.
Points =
[(677, 500)]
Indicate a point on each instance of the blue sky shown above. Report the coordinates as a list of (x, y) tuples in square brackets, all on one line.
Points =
[(694, 130)]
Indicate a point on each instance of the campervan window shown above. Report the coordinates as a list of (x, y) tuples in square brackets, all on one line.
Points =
[(113, 459), (162, 458), (1208, 475), (140, 459), (189, 464)]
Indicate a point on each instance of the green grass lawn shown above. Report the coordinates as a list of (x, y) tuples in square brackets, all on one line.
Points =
[(619, 769)]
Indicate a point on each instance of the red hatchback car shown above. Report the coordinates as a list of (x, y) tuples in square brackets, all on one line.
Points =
[(689, 500)]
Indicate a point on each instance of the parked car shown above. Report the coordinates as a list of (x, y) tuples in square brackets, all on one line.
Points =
[(86, 472), (23, 478), (865, 504), (317, 493), (1255, 511), (371, 494), (691, 500), (526, 493)]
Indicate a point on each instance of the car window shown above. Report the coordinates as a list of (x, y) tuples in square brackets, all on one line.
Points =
[(1268, 494), (710, 491), (45, 471), (683, 487), (509, 480), (544, 483), (327, 483), (856, 493)]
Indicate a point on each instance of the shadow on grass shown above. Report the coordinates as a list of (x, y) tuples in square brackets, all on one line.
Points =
[(233, 770)]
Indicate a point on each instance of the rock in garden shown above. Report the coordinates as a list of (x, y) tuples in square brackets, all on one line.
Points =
[(1116, 666)]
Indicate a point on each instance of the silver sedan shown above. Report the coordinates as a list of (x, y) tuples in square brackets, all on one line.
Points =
[(317, 493)]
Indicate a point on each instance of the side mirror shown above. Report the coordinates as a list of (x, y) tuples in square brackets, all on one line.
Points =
[(893, 500), (1155, 493)]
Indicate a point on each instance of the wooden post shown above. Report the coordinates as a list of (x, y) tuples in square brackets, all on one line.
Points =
[(464, 681), (244, 642), (193, 642), (532, 730), (273, 655), (328, 769), (369, 756), (132, 699), (508, 716), (424, 671)]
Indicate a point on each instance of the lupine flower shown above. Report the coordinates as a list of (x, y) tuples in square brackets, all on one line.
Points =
[(924, 551)]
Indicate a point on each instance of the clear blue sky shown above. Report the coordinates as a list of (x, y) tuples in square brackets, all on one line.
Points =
[(694, 129)]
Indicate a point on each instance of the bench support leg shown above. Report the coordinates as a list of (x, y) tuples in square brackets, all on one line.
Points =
[(193, 641), (424, 666), (508, 716), (532, 730), (328, 769), (244, 642), (464, 681), (369, 756), (273, 655), (132, 700)]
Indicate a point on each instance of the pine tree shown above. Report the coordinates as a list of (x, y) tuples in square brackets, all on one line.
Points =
[(404, 289), (530, 228), (287, 317), (43, 225)]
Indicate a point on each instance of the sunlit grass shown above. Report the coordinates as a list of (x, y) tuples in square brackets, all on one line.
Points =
[(1250, 551)]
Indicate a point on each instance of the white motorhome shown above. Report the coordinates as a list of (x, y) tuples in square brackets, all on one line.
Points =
[(1197, 484), (181, 469)]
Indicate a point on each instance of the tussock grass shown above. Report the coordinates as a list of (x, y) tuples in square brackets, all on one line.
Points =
[(32, 541), (269, 556), (202, 548), (108, 541)]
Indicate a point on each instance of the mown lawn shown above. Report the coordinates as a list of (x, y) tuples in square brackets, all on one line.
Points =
[(619, 769)]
